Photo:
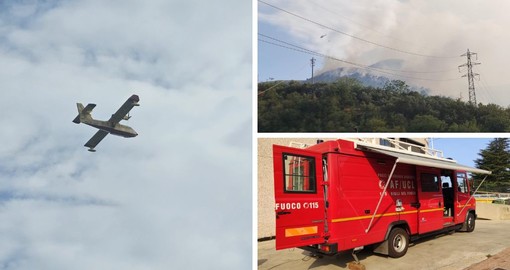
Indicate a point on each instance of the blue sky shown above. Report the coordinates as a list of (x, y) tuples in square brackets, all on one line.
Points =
[(463, 150), (435, 29), (141, 203), (281, 63)]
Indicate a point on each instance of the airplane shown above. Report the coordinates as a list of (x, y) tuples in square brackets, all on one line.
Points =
[(111, 126)]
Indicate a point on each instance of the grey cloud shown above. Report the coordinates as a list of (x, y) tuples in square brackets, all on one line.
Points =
[(140, 203), (11, 195)]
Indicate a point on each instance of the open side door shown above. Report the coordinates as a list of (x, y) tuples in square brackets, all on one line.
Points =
[(299, 197), (462, 202)]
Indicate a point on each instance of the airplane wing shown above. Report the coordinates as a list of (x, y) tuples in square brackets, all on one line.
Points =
[(98, 137), (124, 109)]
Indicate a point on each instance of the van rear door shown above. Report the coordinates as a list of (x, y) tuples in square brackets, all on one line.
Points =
[(299, 197)]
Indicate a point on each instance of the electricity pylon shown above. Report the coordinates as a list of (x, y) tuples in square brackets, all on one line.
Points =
[(312, 63), (470, 75)]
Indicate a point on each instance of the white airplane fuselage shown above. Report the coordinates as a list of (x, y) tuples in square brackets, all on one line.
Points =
[(114, 129)]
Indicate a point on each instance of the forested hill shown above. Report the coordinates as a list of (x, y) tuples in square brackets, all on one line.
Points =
[(348, 106)]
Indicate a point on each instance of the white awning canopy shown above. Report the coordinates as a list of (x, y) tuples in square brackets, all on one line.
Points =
[(422, 160)]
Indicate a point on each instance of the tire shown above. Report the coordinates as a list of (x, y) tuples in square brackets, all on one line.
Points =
[(398, 243), (470, 222)]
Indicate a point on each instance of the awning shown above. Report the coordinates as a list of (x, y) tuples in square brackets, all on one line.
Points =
[(422, 160)]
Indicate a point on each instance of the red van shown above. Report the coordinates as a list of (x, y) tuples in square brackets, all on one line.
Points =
[(344, 195)]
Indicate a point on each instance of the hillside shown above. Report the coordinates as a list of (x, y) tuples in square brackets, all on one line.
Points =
[(366, 78), (348, 106)]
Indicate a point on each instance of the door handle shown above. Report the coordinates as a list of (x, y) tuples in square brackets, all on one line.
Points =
[(416, 204)]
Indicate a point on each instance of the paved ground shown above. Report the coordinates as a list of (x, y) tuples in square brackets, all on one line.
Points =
[(456, 251), (500, 261)]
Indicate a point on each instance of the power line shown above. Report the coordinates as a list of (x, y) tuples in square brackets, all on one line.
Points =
[(300, 49), (380, 33), (486, 91), (352, 36), (380, 70), (483, 91), (485, 84), (280, 82), (304, 50)]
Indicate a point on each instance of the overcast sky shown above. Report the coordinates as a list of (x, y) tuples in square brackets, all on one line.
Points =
[(175, 197), (428, 37)]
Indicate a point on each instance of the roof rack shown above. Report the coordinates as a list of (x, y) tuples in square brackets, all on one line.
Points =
[(402, 147)]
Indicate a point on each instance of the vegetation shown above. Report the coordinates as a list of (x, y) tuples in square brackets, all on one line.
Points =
[(495, 158), (348, 106)]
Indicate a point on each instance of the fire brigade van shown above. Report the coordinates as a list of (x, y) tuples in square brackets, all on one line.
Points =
[(344, 195)]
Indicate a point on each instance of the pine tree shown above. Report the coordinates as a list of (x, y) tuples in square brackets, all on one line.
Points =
[(495, 158)]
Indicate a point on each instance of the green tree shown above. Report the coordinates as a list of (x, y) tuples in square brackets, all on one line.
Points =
[(397, 86), (426, 123), (495, 158), (376, 125), (346, 106)]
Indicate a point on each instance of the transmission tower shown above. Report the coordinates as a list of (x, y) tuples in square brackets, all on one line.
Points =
[(470, 75), (312, 63)]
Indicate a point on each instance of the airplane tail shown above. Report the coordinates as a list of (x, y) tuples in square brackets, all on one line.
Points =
[(83, 112)]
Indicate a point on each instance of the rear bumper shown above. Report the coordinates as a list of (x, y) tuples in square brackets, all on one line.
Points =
[(325, 249)]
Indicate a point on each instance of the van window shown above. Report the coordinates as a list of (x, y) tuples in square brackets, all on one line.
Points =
[(429, 182), (446, 181), (462, 183), (299, 174)]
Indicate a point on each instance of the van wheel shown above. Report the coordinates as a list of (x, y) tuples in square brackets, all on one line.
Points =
[(398, 242), (470, 222)]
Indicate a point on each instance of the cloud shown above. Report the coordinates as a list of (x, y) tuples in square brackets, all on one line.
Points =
[(180, 189), (432, 28)]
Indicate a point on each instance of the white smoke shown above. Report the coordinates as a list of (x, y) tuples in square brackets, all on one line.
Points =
[(434, 28)]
